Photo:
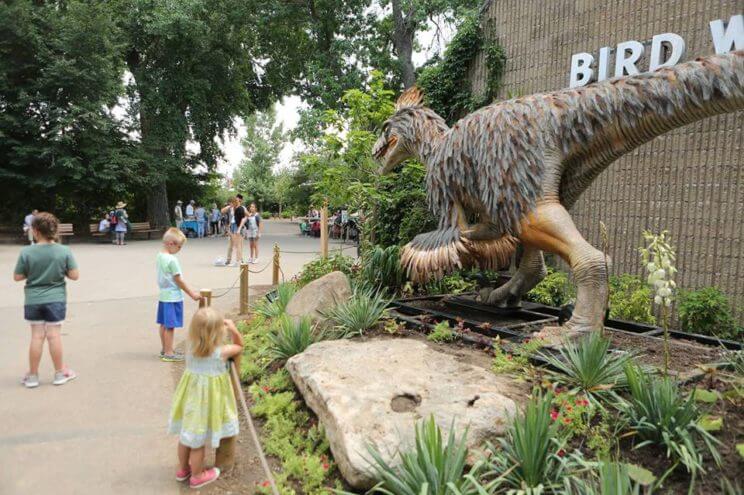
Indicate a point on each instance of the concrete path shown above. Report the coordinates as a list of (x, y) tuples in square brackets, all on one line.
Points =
[(105, 432)]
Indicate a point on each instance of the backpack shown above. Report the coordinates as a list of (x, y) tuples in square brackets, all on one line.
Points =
[(114, 219)]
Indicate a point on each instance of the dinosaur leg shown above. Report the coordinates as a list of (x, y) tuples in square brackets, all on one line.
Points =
[(551, 229), (530, 272)]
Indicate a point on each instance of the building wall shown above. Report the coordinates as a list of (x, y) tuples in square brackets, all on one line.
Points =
[(689, 181)]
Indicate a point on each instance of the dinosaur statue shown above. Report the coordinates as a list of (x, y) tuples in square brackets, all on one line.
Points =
[(508, 174)]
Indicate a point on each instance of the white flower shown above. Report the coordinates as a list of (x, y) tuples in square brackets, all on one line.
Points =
[(651, 267), (667, 302), (660, 273), (658, 300), (665, 292)]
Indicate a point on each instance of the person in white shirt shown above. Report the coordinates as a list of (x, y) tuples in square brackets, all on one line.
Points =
[(201, 220), (178, 213), (27, 221), (104, 225), (190, 210), (214, 220)]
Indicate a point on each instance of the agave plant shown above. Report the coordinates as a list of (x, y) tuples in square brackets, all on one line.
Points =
[(277, 307), (381, 269), (361, 312), (433, 467), (587, 366), (659, 414), (531, 455), (292, 337), (609, 478)]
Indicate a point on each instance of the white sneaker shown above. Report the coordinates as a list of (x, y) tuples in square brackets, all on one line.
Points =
[(234, 263), (62, 377), (254, 260), (30, 381), (250, 260)]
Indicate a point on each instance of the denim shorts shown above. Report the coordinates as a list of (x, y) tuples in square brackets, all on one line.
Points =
[(233, 228), (49, 313)]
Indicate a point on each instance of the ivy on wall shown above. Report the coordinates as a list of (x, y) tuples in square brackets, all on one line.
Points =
[(445, 80)]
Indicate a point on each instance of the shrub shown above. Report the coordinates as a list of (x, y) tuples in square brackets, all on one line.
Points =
[(518, 359), (659, 414), (361, 312), (630, 299), (530, 456), (707, 311), (434, 467), (292, 337), (586, 365), (381, 269), (453, 283), (442, 333), (323, 266), (276, 308), (554, 290)]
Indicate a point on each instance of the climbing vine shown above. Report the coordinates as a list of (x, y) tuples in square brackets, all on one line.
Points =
[(445, 80)]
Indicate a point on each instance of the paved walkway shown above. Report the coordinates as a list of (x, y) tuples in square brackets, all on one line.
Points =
[(105, 432)]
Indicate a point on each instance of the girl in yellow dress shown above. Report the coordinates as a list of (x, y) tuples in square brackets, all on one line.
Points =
[(204, 410)]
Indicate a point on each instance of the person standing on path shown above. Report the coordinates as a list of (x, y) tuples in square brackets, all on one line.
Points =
[(122, 223), (237, 213), (27, 221), (190, 210), (201, 221), (204, 409), (253, 231), (44, 267), (170, 298), (178, 214), (214, 221)]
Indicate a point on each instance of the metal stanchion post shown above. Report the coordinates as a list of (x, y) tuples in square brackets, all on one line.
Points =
[(244, 288), (275, 272)]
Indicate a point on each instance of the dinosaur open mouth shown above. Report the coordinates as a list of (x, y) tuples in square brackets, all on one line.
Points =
[(382, 150)]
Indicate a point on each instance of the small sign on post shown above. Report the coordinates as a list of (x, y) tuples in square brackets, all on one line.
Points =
[(324, 229), (244, 288)]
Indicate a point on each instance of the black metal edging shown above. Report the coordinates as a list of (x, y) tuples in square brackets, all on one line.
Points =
[(700, 339)]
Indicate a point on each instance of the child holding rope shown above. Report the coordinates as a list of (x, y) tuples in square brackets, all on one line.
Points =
[(170, 299), (204, 410), (44, 266)]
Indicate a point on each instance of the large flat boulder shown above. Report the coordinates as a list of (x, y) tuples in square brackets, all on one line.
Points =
[(372, 393), (319, 296)]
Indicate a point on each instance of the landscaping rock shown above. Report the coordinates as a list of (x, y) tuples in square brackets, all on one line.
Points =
[(373, 393), (320, 295)]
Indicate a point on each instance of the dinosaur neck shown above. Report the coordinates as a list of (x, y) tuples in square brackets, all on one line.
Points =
[(427, 130)]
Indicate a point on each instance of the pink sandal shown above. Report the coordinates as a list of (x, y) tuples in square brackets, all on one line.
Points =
[(207, 476)]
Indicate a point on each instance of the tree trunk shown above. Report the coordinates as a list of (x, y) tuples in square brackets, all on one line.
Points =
[(158, 212), (404, 32)]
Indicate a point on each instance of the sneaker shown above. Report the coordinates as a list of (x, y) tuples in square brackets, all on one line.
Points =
[(30, 381), (64, 376), (234, 263), (172, 358), (183, 474), (254, 260), (207, 476)]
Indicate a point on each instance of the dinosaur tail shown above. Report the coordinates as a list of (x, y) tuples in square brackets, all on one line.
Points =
[(434, 254), (597, 124)]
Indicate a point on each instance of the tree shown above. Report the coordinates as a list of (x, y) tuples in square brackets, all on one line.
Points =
[(283, 182), (262, 145), (60, 146)]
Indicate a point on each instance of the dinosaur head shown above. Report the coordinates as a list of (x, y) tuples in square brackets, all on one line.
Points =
[(395, 144)]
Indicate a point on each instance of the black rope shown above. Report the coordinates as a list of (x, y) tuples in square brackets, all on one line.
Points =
[(229, 289)]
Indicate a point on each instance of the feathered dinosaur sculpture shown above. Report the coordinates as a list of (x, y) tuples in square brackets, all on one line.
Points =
[(508, 173)]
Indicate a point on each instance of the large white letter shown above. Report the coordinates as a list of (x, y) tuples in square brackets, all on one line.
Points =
[(580, 66), (603, 68), (677, 45), (625, 62), (728, 37)]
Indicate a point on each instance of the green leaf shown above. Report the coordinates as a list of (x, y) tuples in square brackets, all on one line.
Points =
[(740, 449), (707, 396), (711, 423), (640, 475)]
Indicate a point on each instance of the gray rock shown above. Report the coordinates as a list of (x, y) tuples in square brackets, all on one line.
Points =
[(372, 393), (320, 295)]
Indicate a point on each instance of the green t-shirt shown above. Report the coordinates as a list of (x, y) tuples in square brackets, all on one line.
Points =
[(168, 266), (45, 267)]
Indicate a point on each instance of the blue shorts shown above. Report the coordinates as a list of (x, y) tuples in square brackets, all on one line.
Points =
[(170, 314), (52, 313), (233, 228)]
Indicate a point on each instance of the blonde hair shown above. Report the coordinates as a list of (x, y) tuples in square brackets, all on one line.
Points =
[(175, 235), (206, 332)]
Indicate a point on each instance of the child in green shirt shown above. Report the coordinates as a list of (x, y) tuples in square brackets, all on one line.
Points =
[(44, 266)]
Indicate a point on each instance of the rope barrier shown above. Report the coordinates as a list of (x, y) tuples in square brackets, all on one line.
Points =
[(271, 262), (251, 426), (229, 289)]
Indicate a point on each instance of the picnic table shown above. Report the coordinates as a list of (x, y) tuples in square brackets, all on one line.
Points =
[(190, 228)]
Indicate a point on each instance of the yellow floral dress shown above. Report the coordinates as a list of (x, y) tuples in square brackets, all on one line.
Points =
[(204, 410)]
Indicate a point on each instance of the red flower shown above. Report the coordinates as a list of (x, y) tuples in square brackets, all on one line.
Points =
[(553, 414), (582, 402), (265, 389), (567, 421), (561, 453), (558, 390), (509, 357), (266, 483), (526, 341), (569, 408), (326, 466)]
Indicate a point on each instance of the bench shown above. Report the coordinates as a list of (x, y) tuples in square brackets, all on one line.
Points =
[(64, 230), (144, 228), (95, 233)]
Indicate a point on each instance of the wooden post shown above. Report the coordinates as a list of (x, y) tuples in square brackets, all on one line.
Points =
[(225, 456), (324, 229), (275, 272), (244, 288), (206, 300)]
